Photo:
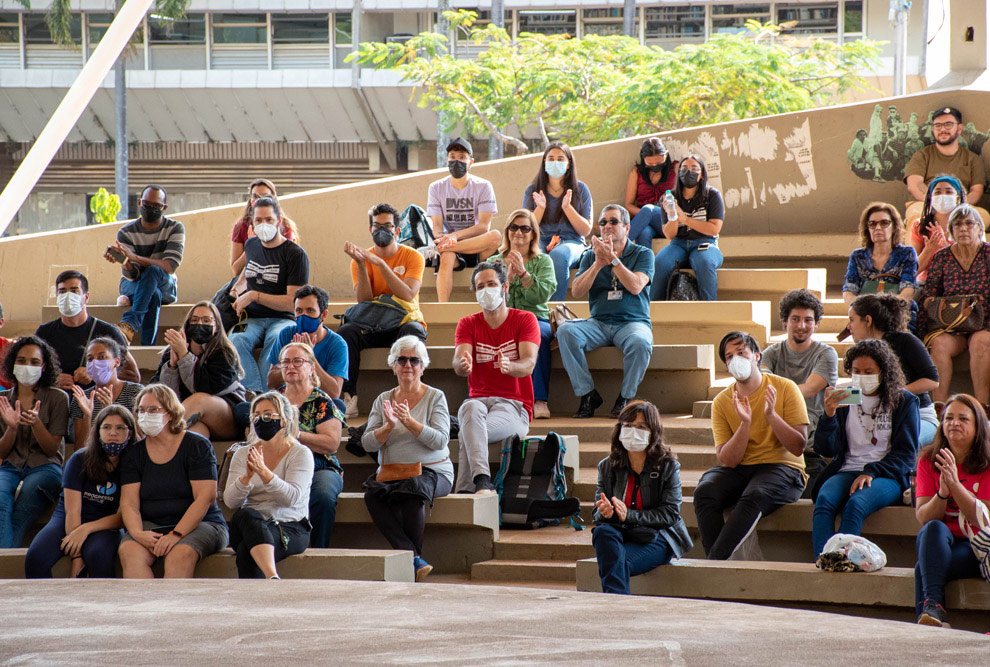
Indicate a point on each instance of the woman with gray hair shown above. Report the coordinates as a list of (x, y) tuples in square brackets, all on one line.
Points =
[(269, 486), (410, 426), (960, 269)]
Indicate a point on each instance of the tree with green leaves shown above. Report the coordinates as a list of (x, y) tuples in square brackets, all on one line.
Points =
[(602, 88)]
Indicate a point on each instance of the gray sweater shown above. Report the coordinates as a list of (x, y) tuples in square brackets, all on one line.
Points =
[(285, 497), (402, 446)]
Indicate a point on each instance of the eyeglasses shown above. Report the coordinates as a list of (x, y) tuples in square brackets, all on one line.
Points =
[(152, 205), (944, 126), (965, 223), (525, 229), (388, 228), (411, 361), (609, 221), (151, 411), (266, 417), (110, 428), (295, 363), (208, 319), (883, 224)]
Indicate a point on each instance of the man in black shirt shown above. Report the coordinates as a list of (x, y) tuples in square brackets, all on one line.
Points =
[(274, 269), (70, 334)]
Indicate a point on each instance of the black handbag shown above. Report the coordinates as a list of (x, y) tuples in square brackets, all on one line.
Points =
[(225, 304), (383, 313), (682, 286)]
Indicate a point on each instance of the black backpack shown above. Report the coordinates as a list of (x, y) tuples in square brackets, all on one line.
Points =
[(531, 487), (682, 286)]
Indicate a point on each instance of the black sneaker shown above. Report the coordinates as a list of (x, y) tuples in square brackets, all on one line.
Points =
[(617, 408), (483, 484), (589, 403), (933, 614)]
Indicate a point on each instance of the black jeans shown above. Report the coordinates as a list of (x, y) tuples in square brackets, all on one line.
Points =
[(248, 529), (357, 341), (755, 490), (401, 518)]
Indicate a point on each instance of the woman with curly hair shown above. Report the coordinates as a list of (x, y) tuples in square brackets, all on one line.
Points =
[(638, 524), (34, 418), (873, 445)]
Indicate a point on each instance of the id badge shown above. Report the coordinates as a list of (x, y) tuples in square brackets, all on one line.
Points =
[(615, 295)]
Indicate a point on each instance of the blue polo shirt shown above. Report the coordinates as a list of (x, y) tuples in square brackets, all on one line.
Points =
[(331, 352), (632, 307)]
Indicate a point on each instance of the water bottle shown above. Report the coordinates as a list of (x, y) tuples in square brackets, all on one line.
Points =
[(668, 203)]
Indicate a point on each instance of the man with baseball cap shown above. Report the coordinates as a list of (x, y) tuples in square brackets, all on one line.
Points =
[(461, 208), (945, 158)]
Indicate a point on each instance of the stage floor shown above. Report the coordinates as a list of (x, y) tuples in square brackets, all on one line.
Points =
[(224, 622)]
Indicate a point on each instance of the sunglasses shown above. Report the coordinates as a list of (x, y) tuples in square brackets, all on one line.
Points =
[(525, 229), (609, 221), (883, 224), (410, 361)]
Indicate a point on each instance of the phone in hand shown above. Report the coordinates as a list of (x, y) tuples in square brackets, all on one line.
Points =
[(855, 396), (117, 255)]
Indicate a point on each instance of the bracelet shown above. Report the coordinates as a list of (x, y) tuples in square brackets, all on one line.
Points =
[(76, 557), (177, 533), (940, 496)]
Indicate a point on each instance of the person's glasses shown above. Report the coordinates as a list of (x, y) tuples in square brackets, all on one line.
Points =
[(525, 229), (609, 221), (266, 417), (208, 320), (151, 411), (110, 428), (388, 228), (411, 361), (883, 224), (965, 223), (153, 205), (295, 363), (944, 126)]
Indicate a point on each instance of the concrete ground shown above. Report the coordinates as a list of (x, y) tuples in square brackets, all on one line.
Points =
[(216, 622)]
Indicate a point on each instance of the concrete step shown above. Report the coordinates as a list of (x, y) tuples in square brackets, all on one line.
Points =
[(553, 543), (691, 456), (702, 409), (523, 570)]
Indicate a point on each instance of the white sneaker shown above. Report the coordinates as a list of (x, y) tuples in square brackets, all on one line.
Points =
[(351, 405), (429, 252), (123, 301)]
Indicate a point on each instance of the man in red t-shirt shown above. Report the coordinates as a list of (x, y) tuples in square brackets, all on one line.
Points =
[(496, 352)]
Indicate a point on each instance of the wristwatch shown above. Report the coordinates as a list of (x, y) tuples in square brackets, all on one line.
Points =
[(615, 262), (177, 533)]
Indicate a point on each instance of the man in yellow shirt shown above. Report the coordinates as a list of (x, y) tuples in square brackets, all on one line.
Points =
[(760, 425)]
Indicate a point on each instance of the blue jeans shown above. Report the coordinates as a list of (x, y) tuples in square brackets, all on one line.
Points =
[(258, 332), (148, 294), (541, 374), (646, 225), (565, 256), (40, 489), (942, 557), (327, 485), (704, 262), (578, 337), (98, 550), (834, 497), (926, 433), (618, 560)]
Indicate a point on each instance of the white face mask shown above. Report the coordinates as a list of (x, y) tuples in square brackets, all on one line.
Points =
[(265, 231), (27, 375), (634, 439), (151, 424), (490, 298), (944, 203), (740, 367), (868, 383), (70, 304)]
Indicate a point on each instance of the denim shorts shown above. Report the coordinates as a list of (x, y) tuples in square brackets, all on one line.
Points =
[(207, 538)]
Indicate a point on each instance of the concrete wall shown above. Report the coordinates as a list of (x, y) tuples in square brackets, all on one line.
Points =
[(785, 174)]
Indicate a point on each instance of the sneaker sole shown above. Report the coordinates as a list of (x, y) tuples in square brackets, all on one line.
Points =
[(931, 621), (423, 572)]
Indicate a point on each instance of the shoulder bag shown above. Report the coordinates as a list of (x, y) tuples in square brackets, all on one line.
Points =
[(952, 314)]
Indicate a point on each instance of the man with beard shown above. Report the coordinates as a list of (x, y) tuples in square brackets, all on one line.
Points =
[(810, 364), (945, 157)]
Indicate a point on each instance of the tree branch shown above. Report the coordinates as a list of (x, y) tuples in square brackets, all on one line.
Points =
[(498, 134)]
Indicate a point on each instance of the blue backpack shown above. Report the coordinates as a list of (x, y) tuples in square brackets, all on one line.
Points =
[(532, 490)]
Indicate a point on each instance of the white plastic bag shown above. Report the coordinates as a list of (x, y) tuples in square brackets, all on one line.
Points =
[(865, 555)]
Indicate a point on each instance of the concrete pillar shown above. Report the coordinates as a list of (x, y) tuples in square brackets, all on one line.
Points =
[(968, 35)]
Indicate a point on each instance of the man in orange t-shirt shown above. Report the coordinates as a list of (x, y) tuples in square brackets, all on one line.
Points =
[(384, 268)]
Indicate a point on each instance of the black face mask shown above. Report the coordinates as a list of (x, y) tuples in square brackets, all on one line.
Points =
[(458, 168), (689, 178), (149, 214), (200, 333), (656, 169), (267, 430), (382, 238)]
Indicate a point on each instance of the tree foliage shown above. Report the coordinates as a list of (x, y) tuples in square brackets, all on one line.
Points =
[(601, 88), (59, 17), (104, 206)]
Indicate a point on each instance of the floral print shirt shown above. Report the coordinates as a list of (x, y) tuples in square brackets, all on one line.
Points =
[(315, 410)]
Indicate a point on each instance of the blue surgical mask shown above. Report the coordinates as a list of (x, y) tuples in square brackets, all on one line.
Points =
[(555, 169), (307, 324)]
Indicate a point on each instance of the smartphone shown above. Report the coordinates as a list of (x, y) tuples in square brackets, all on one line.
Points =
[(855, 396), (117, 255), (164, 530), (704, 246)]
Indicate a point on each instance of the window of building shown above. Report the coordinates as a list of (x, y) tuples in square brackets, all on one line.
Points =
[(188, 30), (36, 30), (809, 19), (685, 22), (731, 19), (240, 29), (301, 29), (10, 32), (852, 19), (549, 22), (605, 21), (342, 29)]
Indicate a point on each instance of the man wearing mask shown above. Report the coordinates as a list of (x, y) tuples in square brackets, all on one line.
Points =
[(149, 251), (461, 208), (384, 268), (71, 334), (760, 424), (496, 351), (615, 274), (275, 268), (329, 348), (945, 157)]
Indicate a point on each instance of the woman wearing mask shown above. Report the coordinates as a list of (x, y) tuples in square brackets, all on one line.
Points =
[(168, 492), (561, 205), (201, 365), (243, 228), (692, 224), (103, 359), (648, 182), (269, 486), (34, 418), (638, 525), (85, 525), (873, 446), (531, 282), (929, 233)]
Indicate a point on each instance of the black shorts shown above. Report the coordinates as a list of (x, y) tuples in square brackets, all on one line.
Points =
[(463, 261)]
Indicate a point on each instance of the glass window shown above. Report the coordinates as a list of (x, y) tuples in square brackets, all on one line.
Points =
[(9, 30), (189, 30), (853, 17), (98, 24), (684, 22), (36, 30), (731, 19), (809, 19), (551, 22), (342, 28), (301, 28), (605, 21), (239, 29)]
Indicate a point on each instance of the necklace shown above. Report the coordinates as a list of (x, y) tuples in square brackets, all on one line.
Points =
[(872, 428)]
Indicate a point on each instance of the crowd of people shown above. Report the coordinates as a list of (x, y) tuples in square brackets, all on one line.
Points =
[(258, 363)]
